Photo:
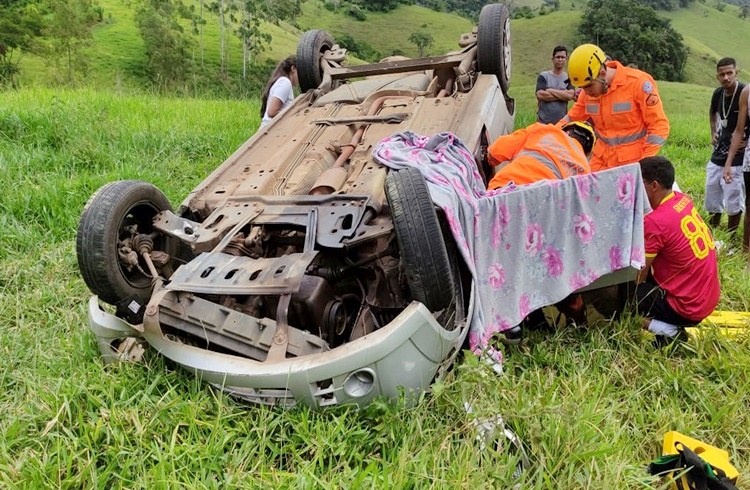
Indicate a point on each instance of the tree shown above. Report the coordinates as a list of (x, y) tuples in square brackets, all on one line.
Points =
[(167, 46), (633, 33), (253, 37), (379, 5), (666, 4), (69, 31), (254, 13), (745, 11), (423, 40), (223, 8), (20, 25)]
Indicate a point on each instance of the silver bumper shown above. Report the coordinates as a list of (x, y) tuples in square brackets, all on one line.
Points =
[(403, 356)]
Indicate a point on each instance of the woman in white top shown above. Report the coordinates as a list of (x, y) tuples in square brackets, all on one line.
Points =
[(279, 91)]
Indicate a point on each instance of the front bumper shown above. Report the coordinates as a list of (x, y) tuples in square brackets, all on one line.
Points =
[(401, 357)]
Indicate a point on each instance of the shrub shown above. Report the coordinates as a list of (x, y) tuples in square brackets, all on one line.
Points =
[(357, 12)]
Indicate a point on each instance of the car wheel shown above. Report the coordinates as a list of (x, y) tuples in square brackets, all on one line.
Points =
[(115, 214), (423, 251), (493, 43), (310, 49)]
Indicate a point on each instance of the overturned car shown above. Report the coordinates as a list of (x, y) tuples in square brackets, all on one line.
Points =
[(301, 270)]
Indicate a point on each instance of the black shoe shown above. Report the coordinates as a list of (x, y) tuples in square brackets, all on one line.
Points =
[(512, 336), (537, 321), (662, 341)]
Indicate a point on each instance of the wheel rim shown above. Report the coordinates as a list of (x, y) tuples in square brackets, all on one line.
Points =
[(140, 216), (506, 48)]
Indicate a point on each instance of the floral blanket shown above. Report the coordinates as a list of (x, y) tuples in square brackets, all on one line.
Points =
[(528, 246)]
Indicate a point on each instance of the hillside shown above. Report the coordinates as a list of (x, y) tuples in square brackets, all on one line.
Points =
[(118, 58), (710, 35)]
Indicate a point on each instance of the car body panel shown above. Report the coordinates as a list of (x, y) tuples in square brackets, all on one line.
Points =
[(289, 284)]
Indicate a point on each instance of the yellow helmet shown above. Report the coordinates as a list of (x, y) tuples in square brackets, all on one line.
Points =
[(582, 132), (584, 64)]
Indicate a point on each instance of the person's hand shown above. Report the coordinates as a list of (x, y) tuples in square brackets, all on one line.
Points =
[(728, 175), (714, 137), (576, 93)]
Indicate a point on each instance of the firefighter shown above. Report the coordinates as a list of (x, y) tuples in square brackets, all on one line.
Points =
[(621, 103), (541, 151)]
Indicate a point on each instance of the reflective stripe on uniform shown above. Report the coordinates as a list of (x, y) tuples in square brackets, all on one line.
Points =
[(655, 139), (592, 108), (621, 140), (622, 107), (543, 160)]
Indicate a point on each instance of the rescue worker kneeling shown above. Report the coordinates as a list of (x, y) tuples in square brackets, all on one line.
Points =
[(543, 152)]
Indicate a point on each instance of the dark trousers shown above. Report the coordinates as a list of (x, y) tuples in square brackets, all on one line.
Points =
[(651, 301)]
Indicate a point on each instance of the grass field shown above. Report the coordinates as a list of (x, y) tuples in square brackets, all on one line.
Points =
[(118, 60), (591, 405)]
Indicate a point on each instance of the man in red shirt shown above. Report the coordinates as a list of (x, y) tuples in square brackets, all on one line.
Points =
[(679, 286)]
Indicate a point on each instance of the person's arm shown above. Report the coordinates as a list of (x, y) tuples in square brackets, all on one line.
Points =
[(577, 112), (712, 120), (542, 92), (560, 94), (652, 242), (506, 147), (657, 124), (738, 135), (546, 94), (643, 273), (274, 105), (279, 93)]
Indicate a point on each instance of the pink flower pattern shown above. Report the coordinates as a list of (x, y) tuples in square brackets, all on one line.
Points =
[(553, 261), (615, 258), (626, 190), (498, 324), (500, 224), (578, 281), (534, 239), (584, 228), (595, 208), (496, 276), (583, 184), (524, 307), (637, 256)]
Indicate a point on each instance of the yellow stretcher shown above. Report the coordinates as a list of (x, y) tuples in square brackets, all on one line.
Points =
[(718, 458), (727, 323)]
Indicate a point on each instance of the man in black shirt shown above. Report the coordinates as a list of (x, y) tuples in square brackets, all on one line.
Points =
[(725, 191)]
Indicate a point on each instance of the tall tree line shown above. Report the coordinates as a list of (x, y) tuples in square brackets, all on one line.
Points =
[(172, 32), (633, 33), (177, 55), (59, 30)]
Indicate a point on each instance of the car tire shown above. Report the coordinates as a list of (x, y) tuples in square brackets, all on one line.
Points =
[(310, 49), (493, 43), (424, 255), (112, 208)]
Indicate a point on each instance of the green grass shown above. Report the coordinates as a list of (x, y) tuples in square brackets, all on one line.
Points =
[(390, 31), (532, 41), (118, 60), (710, 35), (590, 405)]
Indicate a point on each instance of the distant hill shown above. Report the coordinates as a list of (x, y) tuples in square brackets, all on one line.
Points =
[(118, 58)]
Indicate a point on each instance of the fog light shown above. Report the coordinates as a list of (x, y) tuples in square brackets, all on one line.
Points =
[(359, 383)]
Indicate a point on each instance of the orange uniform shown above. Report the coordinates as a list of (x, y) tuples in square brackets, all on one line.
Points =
[(538, 152), (629, 119)]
